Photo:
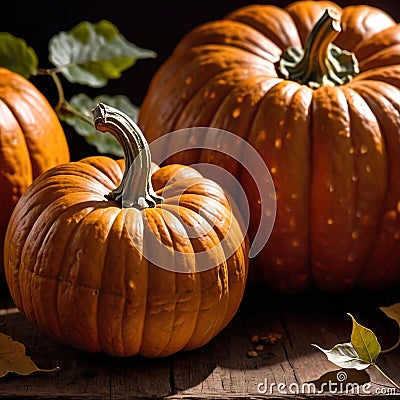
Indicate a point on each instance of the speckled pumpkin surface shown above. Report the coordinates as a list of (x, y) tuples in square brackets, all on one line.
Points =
[(326, 123)]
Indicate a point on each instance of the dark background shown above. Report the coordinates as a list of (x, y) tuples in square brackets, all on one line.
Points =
[(156, 25)]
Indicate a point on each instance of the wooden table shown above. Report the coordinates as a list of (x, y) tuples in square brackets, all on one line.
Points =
[(221, 369)]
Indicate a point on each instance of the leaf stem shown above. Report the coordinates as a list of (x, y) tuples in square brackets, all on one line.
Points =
[(65, 108), (56, 369), (391, 348), (53, 73), (60, 89), (387, 377)]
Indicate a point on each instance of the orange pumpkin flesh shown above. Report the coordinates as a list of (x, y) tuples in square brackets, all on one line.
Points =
[(31, 141), (75, 261), (332, 149)]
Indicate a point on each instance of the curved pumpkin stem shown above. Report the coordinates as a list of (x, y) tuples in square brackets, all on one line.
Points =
[(135, 189), (321, 62)]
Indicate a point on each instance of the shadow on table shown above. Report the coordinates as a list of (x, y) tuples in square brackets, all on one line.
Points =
[(302, 319), (311, 317)]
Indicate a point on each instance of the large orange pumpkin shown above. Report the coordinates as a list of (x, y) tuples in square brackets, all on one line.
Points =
[(324, 117), (31, 141), (133, 273)]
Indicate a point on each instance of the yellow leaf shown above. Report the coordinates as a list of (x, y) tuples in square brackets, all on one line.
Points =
[(13, 358), (392, 312)]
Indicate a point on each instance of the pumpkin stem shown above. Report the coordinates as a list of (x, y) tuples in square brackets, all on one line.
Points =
[(321, 63), (135, 189)]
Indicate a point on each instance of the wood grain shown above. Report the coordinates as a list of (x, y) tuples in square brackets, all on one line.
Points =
[(221, 369)]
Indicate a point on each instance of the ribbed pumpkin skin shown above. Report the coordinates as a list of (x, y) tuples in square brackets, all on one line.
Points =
[(74, 272), (31, 141), (333, 152)]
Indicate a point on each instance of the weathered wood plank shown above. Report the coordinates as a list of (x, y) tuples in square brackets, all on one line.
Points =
[(137, 377), (82, 375), (220, 369), (303, 319)]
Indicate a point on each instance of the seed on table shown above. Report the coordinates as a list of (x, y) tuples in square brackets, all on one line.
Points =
[(271, 337), (255, 339), (252, 354)]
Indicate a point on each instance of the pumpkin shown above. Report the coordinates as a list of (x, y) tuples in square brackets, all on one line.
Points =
[(100, 260), (31, 141), (314, 88)]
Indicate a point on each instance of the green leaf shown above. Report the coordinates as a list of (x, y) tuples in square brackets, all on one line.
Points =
[(364, 342), (17, 56), (344, 355), (360, 353), (91, 54), (104, 142)]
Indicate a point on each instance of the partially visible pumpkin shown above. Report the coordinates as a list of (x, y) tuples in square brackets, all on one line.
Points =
[(31, 141), (325, 121), (76, 265)]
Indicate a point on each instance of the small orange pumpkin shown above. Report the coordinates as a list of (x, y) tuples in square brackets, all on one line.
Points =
[(133, 273), (325, 121), (31, 141)]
